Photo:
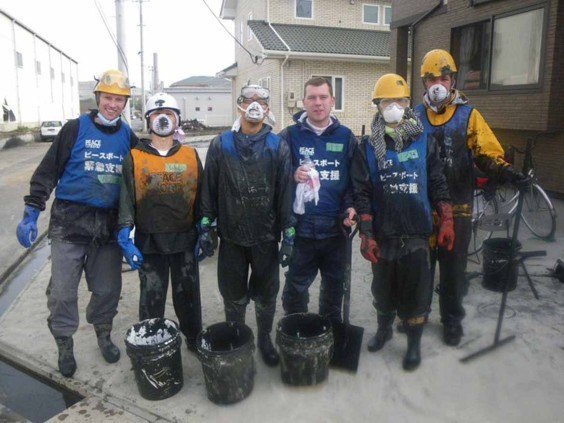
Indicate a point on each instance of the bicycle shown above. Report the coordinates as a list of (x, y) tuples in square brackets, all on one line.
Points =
[(493, 212)]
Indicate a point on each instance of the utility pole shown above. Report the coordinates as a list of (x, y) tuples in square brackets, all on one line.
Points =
[(156, 82), (121, 47), (142, 66)]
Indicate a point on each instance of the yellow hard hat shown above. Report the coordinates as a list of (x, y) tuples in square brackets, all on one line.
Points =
[(436, 63), (390, 85), (113, 82)]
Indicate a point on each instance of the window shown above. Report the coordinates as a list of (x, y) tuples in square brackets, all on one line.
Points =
[(210, 109), (338, 90), (249, 30), (514, 59), (265, 82), (38, 67), (387, 15), (304, 9), (19, 59), (197, 109), (370, 14)]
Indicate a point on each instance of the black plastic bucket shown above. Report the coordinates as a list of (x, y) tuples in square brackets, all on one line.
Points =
[(153, 345), (226, 352), (497, 252), (305, 343)]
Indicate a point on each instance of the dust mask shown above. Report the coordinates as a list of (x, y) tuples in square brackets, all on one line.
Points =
[(437, 93), (163, 125), (393, 113), (107, 122), (254, 113)]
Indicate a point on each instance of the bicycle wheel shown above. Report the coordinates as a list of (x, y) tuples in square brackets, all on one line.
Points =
[(481, 208), (538, 212)]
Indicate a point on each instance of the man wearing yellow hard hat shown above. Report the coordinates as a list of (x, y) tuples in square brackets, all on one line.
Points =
[(397, 182), (463, 138), (84, 165)]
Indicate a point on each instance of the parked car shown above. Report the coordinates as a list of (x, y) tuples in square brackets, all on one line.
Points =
[(50, 129)]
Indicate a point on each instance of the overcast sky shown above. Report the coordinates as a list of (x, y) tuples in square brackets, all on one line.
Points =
[(188, 39)]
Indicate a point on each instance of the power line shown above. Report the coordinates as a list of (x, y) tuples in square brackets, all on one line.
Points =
[(121, 52), (254, 57)]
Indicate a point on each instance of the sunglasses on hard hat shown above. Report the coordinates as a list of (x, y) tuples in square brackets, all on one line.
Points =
[(385, 102)]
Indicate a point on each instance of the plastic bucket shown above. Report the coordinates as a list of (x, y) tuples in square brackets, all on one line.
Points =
[(153, 345), (226, 352), (305, 343), (496, 253)]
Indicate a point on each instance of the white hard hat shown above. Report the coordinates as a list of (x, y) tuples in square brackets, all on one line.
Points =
[(161, 101)]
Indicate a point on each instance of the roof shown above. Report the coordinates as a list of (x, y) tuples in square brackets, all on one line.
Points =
[(203, 81), (321, 39)]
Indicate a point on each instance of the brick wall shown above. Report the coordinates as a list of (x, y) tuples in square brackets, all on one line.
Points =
[(335, 13)]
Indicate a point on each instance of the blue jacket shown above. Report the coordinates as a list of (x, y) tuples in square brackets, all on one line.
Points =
[(332, 153)]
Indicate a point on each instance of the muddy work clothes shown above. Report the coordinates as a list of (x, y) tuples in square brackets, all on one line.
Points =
[(102, 268), (84, 163), (160, 197), (185, 286), (320, 242), (326, 255)]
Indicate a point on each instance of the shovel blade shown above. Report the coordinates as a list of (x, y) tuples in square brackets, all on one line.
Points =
[(346, 347)]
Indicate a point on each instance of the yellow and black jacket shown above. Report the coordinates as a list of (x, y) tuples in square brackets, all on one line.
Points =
[(160, 196)]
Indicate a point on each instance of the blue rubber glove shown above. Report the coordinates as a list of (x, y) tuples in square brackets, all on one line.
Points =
[(130, 251), (204, 244), (287, 247), (27, 229)]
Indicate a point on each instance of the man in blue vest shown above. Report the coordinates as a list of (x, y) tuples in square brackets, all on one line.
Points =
[(84, 164), (398, 180), (320, 243), (247, 187), (463, 139)]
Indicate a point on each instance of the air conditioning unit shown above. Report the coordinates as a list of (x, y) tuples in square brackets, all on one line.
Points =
[(291, 99)]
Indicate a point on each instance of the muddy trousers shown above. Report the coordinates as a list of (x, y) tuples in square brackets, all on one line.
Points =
[(184, 279), (310, 256), (237, 288), (452, 267), (102, 268), (402, 279)]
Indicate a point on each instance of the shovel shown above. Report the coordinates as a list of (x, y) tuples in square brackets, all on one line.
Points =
[(347, 338)]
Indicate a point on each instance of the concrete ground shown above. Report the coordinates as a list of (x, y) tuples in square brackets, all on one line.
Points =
[(520, 382)]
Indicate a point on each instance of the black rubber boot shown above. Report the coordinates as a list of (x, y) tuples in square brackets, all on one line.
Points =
[(412, 357), (107, 347), (452, 334), (235, 311), (67, 363), (383, 334), (265, 318)]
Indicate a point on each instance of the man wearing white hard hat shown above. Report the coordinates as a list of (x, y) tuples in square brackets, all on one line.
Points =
[(160, 198)]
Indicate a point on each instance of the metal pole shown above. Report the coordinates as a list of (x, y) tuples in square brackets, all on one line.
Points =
[(142, 66), (121, 47)]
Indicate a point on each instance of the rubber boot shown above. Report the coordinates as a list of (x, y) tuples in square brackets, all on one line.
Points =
[(383, 334), (412, 357), (452, 334), (107, 347), (235, 310), (67, 363), (265, 318)]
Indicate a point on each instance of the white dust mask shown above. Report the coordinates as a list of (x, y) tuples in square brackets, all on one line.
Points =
[(163, 125), (254, 113), (393, 113), (437, 93)]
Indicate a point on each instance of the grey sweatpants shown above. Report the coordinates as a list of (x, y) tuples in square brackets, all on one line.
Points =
[(102, 267)]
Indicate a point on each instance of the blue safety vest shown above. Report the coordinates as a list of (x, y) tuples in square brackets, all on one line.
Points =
[(92, 175), (454, 152), (400, 202)]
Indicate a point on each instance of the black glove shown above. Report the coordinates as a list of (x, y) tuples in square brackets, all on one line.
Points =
[(204, 244), (515, 177), (286, 247)]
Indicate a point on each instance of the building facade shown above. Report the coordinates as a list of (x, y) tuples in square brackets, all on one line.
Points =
[(286, 42), (39, 82), (510, 58), (205, 98)]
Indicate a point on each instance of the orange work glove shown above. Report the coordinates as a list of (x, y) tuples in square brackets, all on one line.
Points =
[(368, 245), (446, 228)]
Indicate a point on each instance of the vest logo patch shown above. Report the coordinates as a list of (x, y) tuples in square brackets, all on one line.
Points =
[(404, 156), (109, 179), (175, 167), (336, 148)]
